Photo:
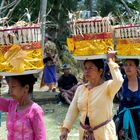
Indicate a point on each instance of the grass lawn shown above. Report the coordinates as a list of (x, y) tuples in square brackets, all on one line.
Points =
[(54, 121)]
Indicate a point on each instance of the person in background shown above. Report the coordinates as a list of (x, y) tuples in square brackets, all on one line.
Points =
[(121, 65), (25, 118), (128, 126), (49, 72), (94, 102), (107, 74), (66, 82), (69, 94)]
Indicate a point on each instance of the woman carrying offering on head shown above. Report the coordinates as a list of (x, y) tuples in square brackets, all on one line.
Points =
[(129, 102), (93, 101), (25, 119)]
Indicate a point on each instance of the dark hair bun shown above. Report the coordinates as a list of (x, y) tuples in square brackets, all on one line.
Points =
[(31, 78), (28, 79)]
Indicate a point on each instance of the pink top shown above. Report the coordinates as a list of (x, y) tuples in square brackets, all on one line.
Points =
[(27, 124)]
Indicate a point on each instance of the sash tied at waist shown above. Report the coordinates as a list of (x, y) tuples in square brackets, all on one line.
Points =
[(90, 131), (128, 121)]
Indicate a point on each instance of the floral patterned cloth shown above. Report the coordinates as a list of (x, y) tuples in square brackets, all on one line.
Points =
[(27, 124)]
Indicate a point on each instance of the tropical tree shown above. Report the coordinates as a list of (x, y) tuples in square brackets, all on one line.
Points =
[(125, 10), (15, 10), (57, 26)]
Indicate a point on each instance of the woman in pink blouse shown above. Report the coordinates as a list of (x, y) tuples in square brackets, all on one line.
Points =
[(25, 119)]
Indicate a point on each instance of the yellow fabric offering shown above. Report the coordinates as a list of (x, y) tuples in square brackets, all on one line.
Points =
[(128, 47), (89, 47), (18, 59)]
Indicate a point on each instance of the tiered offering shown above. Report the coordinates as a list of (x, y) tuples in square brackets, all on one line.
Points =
[(90, 38), (20, 48), (128, 41)]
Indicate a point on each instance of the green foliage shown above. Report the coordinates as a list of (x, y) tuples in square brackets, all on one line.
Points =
[(125, 10), (19, 13), (33, 7), (134, 5), (106, 6), (58, 16)]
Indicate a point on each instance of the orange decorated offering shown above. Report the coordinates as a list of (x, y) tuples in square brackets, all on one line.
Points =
[(90, 37), (20, 48), (128, 40)]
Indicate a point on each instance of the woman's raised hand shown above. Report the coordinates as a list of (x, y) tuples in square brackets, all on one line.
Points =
[(111, 54)]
